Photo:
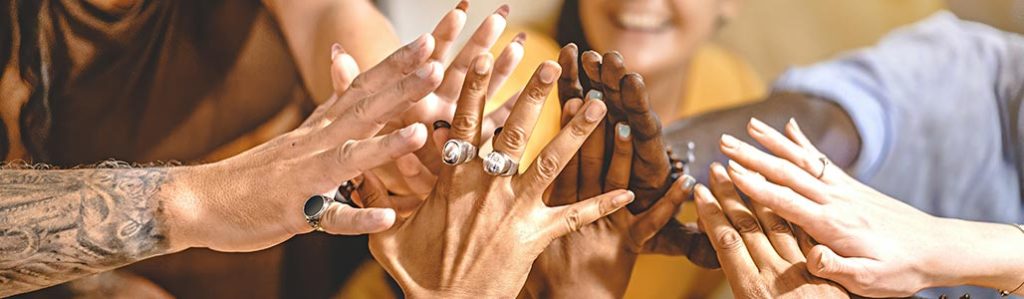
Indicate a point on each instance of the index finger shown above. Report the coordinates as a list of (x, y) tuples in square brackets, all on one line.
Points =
[(569, 86)]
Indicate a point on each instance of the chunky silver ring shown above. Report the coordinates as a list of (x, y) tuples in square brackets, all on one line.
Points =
[(315, 208), (456, 151), (500, 164), (824, 166)]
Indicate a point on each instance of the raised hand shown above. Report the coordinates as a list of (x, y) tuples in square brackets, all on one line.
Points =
[(255, 199), (871, 244), (414, 175), (477, 234), (759, 252)]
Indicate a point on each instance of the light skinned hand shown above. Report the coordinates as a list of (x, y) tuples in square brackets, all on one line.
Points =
[(870, 243), (760, 253), (254, 200), (477, 235)]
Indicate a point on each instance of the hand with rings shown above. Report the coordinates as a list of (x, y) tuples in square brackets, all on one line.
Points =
[(870, 243), (480, 230)]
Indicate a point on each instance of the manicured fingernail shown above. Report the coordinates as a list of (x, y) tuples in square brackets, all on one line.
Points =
[(408, 131), (623, 199), (548, 73), (503, 11), (425, 70), (483, 64), (442, 124), (688, 183), (498, 131), (700, 194), (622, 130), (792, 122), (463, 5), (520, 38), (420, 42), (594, 94), (758, 125), (594, 112), (729, 141), (736, 167), (335, 50)]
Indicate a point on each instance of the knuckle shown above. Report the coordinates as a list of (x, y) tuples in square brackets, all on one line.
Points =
[(779, 227), (514, 137), (345, 157), (728, 240), (746, 224), (572, 220), (535, 95), (465, 123), (578, 129), (547, 167)]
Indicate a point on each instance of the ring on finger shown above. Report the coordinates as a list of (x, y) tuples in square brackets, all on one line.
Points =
[(457, 151), (824, 166), (500, 164), (315, 208)]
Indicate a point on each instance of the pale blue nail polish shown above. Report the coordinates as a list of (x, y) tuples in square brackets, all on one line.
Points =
[(623, 130), (595, 94)]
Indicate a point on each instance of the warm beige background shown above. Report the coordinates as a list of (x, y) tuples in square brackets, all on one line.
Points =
[(771, 34)]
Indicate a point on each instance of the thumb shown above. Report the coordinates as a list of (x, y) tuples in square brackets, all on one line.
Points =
[(342, 219), (825, 263), (572, 217), (344, 69)]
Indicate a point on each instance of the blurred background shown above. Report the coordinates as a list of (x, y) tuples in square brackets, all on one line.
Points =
[(769, 34)]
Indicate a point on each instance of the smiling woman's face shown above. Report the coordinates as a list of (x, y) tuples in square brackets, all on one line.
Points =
[(652, 35)]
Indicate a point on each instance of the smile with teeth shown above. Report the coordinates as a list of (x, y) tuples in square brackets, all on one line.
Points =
[(642, 21)]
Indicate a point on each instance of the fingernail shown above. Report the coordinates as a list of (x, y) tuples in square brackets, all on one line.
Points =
[(420, 42), (483, 64), (730, 142), (442, 124), (425, 70), (757, 125), (463, 5), (736, 167), (594, 112), (623, 130), (503, 11), (594, 94), (699, 193), (548, 73), (688, 183), (335, 50), (792, 122), (623, 199), (520, 38), (408, 131), (498, 131)]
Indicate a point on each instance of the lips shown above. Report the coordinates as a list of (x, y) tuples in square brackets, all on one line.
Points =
[(645, 22)]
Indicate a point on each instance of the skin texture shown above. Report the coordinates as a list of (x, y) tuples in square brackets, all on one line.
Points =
[(477, 235), (245, 203), (684, 27), (870, 243), (760, 253)]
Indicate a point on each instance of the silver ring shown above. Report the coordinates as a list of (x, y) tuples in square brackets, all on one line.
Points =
[(315, 208), (824, 165), (456, 151), (500, 164)]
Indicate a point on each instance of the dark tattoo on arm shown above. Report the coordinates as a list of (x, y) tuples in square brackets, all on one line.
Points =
[(58, 225)]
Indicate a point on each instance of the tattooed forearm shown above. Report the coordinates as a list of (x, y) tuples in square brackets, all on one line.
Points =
[(58, 225)]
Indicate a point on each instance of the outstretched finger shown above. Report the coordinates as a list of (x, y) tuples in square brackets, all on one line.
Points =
[(520, 124), (480, 42), (447, 31), (786, 203), (777, 170), (732, 253), (620, 167), (563, 191), (400, 64), (567, 219), (358, 156), (561, 149), (569, 86), (507, 62)]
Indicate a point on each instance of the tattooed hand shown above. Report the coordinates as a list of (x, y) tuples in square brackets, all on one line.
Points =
[(58, 225)]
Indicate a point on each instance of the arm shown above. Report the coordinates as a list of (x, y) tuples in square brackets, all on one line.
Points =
[(56, 225), (310, 27), (59, 225)]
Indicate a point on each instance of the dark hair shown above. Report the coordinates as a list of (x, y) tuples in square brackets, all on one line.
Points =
[(569, 29)]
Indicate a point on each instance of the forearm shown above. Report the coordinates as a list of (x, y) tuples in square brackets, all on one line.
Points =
[(826, 124), (58, 225), (311, 27), (989, 256)]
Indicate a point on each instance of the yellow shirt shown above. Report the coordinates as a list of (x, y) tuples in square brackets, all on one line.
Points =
[(716, 80)]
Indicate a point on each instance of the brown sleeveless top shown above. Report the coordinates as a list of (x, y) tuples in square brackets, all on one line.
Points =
[(165, 80)]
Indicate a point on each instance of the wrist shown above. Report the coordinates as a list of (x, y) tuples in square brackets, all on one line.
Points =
[(981, 254), (183, 209)]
